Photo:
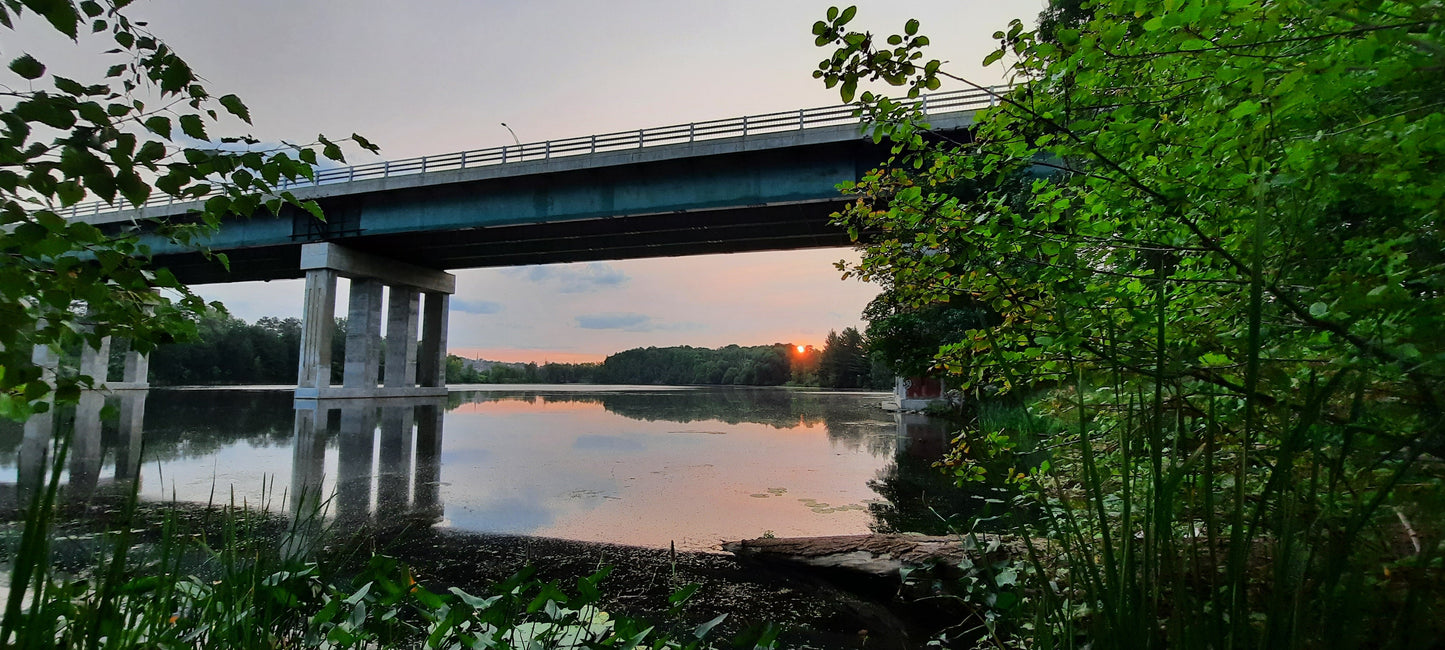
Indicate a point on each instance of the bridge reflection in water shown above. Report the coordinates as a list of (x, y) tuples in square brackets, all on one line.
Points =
[(86, 454), (388, 456), (524, 461), (388, 460)]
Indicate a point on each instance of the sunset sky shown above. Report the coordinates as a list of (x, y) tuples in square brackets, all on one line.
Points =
[(439, 76)]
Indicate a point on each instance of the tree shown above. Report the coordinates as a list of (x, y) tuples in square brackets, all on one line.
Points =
[(1229, 248), (143, 130)]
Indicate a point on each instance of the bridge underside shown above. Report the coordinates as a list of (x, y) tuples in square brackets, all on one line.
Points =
[(788, 226)]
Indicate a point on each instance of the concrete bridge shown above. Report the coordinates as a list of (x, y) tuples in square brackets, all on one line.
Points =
[(755, 183)]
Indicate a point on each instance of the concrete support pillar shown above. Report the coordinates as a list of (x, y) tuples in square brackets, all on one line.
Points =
[(432, 366), (95, 362), (393, 480), (355, 450), (402, 309), (318, 319), (426, 492), (137, 369), (132, 425), (323, 262), (363, 335)]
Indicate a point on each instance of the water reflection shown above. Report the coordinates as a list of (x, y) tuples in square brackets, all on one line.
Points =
[(637, 465), (88, 436), (388, 467)]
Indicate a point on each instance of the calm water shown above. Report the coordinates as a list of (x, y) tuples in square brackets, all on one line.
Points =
[(633, 465)]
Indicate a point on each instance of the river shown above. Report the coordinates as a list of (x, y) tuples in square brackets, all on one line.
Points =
[(639, 465)]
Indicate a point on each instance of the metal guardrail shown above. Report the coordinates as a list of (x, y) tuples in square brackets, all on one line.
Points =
[(946, 102)]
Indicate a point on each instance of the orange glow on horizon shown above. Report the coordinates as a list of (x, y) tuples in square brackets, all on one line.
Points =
[(526, 356)]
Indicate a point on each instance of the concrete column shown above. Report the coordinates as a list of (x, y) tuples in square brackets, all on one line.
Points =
[(363, 334), (95, 362), (432, 365), (137, 369), (401, 321), (393, 480), (368, 273), (353, 467), (318, 319), (426, 491), (132, 424)]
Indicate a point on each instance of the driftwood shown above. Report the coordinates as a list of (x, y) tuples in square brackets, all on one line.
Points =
[(879, 556)]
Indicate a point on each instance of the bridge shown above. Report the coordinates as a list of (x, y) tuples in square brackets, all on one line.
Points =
[(755, 183)]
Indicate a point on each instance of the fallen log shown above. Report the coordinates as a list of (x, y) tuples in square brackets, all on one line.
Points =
[(877, 556)]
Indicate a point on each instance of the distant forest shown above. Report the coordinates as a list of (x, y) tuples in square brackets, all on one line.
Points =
[(231, 351)]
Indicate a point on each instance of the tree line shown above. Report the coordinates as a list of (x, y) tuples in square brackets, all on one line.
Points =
[(228, 350)]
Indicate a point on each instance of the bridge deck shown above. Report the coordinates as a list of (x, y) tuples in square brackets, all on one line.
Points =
[(759, 191)]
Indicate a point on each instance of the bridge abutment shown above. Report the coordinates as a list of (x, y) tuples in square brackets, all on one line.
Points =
[(408, 373)]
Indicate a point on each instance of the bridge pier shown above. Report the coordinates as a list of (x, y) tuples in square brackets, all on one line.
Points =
[(408, 373)]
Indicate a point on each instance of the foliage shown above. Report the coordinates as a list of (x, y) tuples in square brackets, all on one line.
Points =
[(144, 130), (759, 365), (1228, 252), (228, 350), (906, 340)]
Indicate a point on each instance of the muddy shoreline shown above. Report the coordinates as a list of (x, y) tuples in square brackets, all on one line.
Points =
[(814, 611)]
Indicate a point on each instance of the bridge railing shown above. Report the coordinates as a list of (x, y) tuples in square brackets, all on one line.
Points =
[(932, 104)]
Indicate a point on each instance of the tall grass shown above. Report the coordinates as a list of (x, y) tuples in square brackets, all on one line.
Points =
[(1170, 514)]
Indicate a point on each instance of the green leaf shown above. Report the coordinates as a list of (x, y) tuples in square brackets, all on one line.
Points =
[(27, 67), (150, 151), (159, 125), (192, 126), (365, 144), (1319, 310), (61, 15), (234, 105), (703, 629), (1244, 108), (133, 187)]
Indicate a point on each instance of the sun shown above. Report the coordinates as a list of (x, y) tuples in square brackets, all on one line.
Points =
[(802, 349)]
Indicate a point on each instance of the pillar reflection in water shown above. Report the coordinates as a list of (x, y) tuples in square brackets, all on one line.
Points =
[(86, 455), (393, 484), (354, 455), (427, 500), (389, 447), (308, 462)]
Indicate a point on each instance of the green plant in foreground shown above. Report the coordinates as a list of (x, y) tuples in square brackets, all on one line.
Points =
[(1213, 230)]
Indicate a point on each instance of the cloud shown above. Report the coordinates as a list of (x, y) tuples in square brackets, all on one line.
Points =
[(629, 322), (475, 306), (573, 278)]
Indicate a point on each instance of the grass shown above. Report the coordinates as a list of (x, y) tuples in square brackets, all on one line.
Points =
[(1173, 516)]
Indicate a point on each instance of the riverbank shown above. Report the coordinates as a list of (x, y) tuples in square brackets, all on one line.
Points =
[(812, 611)]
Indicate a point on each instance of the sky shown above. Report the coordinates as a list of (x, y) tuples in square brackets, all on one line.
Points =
[(434, 76)]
